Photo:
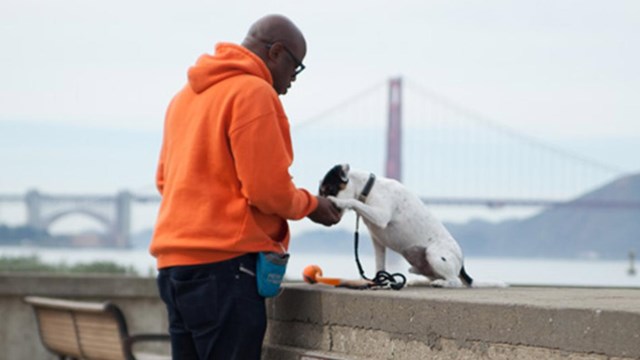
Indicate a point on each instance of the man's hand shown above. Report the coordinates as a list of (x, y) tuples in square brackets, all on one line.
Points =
[(326, 213)]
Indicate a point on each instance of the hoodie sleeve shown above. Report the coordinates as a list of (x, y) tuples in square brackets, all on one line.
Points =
[(262, 152)]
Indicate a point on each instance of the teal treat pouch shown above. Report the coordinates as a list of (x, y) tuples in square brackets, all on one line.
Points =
[(270, 272)]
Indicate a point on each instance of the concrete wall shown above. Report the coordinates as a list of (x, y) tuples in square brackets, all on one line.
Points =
[(426, 323), (319, 322)]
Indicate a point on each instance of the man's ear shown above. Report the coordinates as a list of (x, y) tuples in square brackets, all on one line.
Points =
[(274, 51)]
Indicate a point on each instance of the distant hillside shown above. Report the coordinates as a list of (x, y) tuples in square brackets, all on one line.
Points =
[(563, 231)]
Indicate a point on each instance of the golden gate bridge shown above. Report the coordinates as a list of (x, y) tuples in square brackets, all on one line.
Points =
[(450, 155)]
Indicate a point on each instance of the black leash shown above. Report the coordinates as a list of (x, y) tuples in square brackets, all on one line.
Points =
[(382, 279)]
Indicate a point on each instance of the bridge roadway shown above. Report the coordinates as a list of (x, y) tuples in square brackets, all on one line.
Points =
[(430, 200), (514, 202), (79, 198)]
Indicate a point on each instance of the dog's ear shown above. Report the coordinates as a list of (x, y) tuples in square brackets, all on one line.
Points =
[(332, 182), (344, 173)]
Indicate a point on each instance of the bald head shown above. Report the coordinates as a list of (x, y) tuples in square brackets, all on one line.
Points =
[(273, 28), (280, 44)]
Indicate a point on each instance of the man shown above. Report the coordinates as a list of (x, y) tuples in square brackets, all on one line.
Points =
[(227, 193)]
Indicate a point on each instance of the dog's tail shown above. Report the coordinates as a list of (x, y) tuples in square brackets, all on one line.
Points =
[(466, 279)]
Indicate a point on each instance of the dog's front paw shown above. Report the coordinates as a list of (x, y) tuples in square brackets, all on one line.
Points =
[(340, 203)]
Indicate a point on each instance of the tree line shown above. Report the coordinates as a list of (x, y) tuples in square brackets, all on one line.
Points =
[(17, 234)]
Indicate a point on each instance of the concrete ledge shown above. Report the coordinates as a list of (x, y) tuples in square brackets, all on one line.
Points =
[(511, 323), (83, 285), (318, 322)]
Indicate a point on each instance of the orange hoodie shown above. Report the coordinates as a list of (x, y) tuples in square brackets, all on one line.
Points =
[(223, 170)]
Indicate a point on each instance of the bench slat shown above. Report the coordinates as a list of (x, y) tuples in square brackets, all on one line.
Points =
[(100, 336), (58, 332)]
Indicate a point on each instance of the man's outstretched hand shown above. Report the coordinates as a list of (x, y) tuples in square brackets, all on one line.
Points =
[(326, 213)]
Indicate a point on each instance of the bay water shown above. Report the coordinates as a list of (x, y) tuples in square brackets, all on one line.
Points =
[(513, 271)]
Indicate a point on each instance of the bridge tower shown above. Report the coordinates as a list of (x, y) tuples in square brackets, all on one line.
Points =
[(33, 200), (122, 219), (393, 166)]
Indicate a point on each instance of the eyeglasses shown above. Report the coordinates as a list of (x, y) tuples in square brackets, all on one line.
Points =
[(299, 65)]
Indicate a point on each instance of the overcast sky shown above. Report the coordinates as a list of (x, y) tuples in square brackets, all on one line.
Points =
[(563, 71), (557, 68)]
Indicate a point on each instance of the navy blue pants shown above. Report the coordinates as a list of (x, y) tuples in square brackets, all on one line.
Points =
[(215, 311)]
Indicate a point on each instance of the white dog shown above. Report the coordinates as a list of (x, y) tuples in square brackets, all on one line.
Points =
[(397, 219)]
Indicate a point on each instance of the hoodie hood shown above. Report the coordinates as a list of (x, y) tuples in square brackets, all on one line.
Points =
[(227, 61)]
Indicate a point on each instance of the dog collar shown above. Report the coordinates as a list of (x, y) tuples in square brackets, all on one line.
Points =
[(367, 188)]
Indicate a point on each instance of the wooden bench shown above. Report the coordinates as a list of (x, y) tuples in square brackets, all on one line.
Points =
[(88, 330)]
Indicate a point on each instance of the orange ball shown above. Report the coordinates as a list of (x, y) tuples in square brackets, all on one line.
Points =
[(310, 274)]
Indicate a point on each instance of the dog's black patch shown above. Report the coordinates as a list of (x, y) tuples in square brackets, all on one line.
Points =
[(333, 181)]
